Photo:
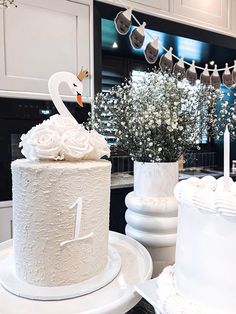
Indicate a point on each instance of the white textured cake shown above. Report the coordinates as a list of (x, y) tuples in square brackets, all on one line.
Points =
[(44, 220), (203, 279), (61, 197)]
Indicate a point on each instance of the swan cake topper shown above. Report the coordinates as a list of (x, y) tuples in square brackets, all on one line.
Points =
[(61, 137)]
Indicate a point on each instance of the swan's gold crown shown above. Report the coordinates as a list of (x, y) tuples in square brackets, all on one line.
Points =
[(82, 74)]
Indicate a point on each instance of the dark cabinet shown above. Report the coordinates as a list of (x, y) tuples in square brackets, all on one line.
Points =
[(118, 208)]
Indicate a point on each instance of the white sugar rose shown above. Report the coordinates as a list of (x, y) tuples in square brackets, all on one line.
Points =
[(61, 124), (100, 146), (75, 144), (61, 138), (41, 143)]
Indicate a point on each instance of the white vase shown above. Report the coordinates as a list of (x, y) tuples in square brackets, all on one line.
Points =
[(152, 211)]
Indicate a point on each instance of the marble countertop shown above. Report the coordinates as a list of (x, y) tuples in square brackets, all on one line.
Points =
[(121, 180)]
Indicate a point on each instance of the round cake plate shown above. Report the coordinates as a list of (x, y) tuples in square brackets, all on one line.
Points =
[(117, 297), (9, 281), (161, 293)]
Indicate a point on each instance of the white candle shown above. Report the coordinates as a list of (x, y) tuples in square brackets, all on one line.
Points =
[(226, 159)]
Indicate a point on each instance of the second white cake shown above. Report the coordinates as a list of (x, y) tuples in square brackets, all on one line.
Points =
[(205, 251)]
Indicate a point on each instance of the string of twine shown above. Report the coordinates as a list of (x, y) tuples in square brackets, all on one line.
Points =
[(163, 47)]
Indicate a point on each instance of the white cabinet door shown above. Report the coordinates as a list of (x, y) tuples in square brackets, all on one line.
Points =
[(232, 16), (149, 5), (41, 37), (5, 221), (210, 12)]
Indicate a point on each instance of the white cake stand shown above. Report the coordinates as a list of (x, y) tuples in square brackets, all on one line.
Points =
[(13, 284), (117, 297), (161, 293)]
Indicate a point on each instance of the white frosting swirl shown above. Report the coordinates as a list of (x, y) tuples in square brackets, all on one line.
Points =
[(207, 194), (61, 138), (171, 301)]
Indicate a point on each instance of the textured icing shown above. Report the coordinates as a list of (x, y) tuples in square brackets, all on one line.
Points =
[(206, 235), (174, 303), (43, 193), (60, 138)]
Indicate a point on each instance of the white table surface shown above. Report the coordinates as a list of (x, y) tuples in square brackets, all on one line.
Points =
[(116, 298)]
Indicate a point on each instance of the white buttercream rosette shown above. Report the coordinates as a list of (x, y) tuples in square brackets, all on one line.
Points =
[(208, 194), (62, 138)]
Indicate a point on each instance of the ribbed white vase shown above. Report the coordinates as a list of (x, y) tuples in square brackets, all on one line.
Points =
[(152, 211)]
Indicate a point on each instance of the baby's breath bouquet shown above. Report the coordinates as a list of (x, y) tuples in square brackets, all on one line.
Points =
[(156, 117), (222, 112)]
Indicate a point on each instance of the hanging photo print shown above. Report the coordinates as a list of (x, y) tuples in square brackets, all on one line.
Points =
[(227, 77), (234, 72), (151, 51), (166, 61), (123, 21), (179, 69), (191, 73), (205, 77), (215, 78), (137, 36)]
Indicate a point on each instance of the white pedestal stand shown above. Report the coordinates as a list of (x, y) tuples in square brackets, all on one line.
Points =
[(117, 297), (152, 211)]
